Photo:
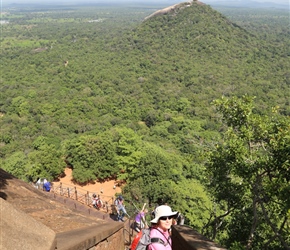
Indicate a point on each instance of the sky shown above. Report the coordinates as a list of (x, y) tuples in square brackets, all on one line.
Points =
[(4, 2)]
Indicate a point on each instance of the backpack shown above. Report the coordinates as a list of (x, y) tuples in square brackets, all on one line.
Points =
[(142, 240)]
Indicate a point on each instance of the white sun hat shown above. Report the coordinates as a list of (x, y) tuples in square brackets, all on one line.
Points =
[(161, 211)]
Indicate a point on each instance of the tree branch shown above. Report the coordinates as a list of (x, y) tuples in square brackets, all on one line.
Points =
[(255, 218), (277, 233), (281, 228)]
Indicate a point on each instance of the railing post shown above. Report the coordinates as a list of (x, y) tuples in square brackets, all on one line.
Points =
[(88, 198), (112, 206), (60, 189), (76, 193)]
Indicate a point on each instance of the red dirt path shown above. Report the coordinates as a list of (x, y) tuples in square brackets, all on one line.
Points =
[(105, 188)]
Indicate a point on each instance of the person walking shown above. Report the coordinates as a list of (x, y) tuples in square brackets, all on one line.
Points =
[(120, 208), (47, 186), (161, 226), (97, 202), (140, 221)]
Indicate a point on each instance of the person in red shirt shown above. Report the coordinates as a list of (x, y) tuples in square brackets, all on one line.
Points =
[(161, 225)]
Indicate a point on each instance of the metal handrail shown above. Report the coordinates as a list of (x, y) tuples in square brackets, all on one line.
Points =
[(81, 195)]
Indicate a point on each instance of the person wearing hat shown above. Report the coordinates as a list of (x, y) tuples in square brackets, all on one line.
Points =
[(162, 224)]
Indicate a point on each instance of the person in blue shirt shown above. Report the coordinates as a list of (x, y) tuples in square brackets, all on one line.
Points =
[(47, 186)]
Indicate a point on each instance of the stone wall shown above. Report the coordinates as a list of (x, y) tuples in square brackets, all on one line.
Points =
[(185, 238), (107, 236), (112, 242)]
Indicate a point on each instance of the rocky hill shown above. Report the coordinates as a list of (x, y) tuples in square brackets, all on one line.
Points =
[(173, 9), (202, 55)]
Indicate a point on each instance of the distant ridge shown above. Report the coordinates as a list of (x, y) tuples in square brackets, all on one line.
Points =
[(248, 4)]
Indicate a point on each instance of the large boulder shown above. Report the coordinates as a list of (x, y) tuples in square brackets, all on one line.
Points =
[(21, 231)]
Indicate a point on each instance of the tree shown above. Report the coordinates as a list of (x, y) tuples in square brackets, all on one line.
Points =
[(128, 150), (45, 161), (91, 157), (156, 172), (249, 176), (190, 198), (15, 164)]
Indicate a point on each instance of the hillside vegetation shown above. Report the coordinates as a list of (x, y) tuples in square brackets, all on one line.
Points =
[(188, 108)]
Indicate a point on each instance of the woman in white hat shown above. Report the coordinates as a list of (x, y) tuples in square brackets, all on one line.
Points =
[(159, 234)]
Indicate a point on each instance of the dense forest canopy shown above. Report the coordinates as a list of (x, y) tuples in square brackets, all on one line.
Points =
[(165, 104)]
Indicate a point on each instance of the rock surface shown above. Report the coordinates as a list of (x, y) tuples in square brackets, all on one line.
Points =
[(39, 205), (19, 231)]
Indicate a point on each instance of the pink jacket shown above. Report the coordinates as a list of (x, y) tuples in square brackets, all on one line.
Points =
[(154, 233)]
